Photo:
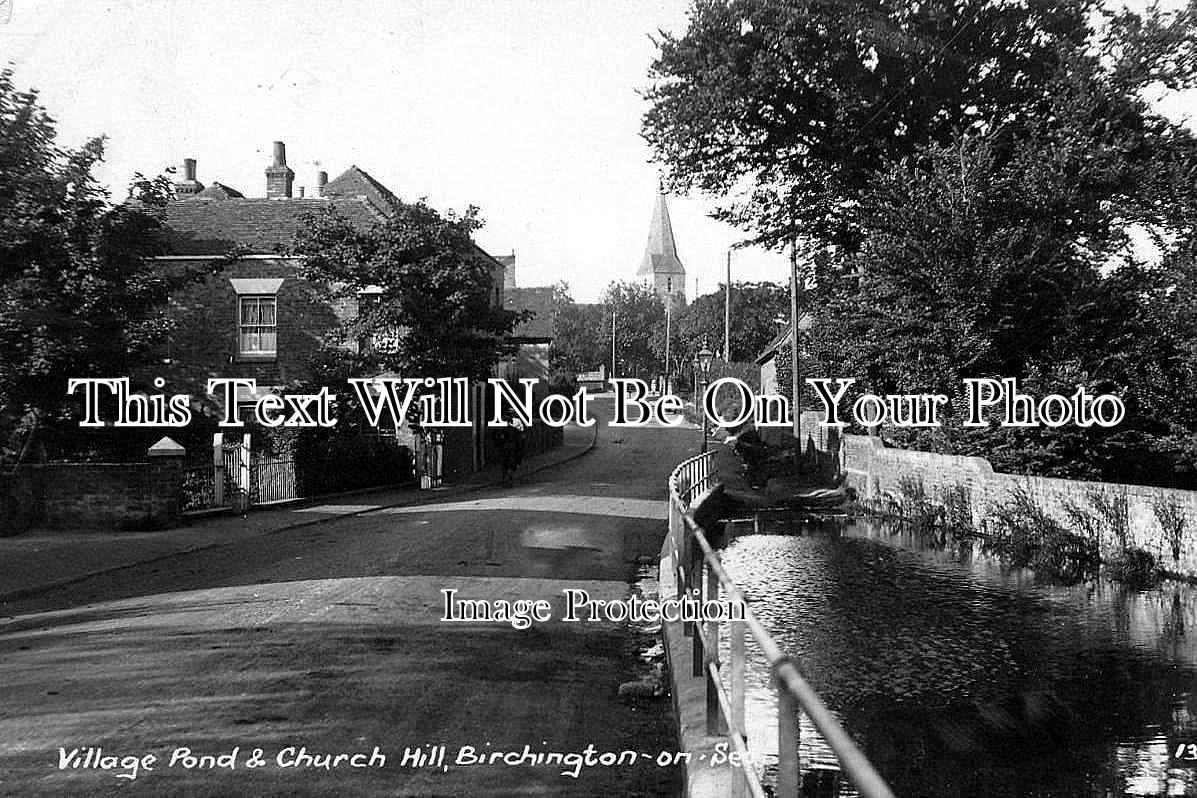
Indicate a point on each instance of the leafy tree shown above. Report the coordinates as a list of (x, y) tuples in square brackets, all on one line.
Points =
[(804, 102), (580, 341), (963, 272), (755, 311), (639, 326), (78, 295), (965, 176), (427, 305)]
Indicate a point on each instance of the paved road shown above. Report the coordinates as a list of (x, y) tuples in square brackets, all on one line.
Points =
[(329, 636)]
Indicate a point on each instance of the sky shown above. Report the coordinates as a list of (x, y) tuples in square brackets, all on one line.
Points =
[(528, 109)]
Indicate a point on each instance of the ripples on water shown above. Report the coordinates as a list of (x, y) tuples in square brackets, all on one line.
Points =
[(961, 678)]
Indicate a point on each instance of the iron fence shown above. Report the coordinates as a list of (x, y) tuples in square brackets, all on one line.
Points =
[(696, 570)]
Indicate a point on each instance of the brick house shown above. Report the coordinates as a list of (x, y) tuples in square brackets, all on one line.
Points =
[(256, 318)]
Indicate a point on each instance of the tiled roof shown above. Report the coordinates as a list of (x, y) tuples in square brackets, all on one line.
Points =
[(539, 300), (783, 338), (355, 182), (204, 226), (220, 191)]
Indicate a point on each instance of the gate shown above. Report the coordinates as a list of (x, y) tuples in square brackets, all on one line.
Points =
[(272, 478), (223, 480)]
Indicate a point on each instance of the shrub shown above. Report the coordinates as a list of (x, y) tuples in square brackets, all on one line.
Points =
[(1114, 512), (1023, 534), (1135, 567), (957, 503), (914, 505), (1171, 518)]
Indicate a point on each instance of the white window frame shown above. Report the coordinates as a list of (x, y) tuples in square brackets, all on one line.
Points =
[(260, 329), (256, 288)]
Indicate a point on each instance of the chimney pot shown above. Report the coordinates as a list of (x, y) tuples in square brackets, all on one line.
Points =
[(186, 185), (278, 175), (301, 192), (321, 182)]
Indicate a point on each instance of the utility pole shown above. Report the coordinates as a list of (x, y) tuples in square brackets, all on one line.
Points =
[(727, 313), (668, 305), (795, 382), (612, 339)]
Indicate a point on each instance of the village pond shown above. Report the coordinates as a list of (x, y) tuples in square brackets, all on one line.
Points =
[(961, 677)]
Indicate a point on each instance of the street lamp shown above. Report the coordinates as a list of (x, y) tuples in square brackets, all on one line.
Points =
[(703, 360)]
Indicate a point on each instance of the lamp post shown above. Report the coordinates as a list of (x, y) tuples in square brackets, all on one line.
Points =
[(704, 358)]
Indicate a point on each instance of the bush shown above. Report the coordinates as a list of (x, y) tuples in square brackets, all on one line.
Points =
[(1171, 518), (957, 503), (914, 505), (1135, 567), (349, 463), (1023, 534)]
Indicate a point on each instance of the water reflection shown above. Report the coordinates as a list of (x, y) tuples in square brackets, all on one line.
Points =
[(962, 678)]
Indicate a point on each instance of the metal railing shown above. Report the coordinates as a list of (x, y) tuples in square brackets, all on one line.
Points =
[(698, 572)]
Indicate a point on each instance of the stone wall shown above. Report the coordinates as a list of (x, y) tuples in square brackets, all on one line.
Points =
[(874, 470)]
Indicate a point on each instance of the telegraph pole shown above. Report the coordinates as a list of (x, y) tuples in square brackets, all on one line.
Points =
[(668, 305), (612, 339), (795, 382), (727, 313)]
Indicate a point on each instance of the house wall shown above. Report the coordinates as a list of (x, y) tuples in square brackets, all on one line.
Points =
[(206, 340), (769, 376)]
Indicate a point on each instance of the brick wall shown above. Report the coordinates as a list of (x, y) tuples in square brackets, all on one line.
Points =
[(206, 339), (93, 496), (872, 470)]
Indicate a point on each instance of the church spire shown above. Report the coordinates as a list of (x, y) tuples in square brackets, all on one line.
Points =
[(661, 264)]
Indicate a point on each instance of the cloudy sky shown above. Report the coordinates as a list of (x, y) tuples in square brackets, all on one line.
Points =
[(526, 108)]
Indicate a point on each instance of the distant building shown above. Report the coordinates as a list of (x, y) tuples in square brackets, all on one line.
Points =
[(767, 359), (661, 265), (534, 336)]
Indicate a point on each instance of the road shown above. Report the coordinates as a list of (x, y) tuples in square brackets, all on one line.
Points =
[(330, 637)]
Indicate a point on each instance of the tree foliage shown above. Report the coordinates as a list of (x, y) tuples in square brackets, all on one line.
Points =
[(755, 310), (799, 104), (580, 342), (423, 291), (965, 179), (78, 295), (639, 325)]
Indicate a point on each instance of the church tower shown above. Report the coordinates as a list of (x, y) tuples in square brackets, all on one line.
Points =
[(661, 265)]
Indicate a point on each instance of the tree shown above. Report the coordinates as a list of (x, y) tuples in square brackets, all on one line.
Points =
[(639, 327), (804, 102), (425, 291), (79, 296), (755, 310), (964, 177), (580, 342)]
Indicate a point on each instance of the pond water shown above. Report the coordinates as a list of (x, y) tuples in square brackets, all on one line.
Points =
[(959, 677)]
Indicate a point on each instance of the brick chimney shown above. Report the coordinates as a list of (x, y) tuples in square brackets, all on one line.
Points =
[(187, 185), (278, 175), (321, 182)]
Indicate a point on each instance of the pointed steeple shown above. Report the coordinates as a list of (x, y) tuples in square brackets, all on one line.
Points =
[(661, 264)]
